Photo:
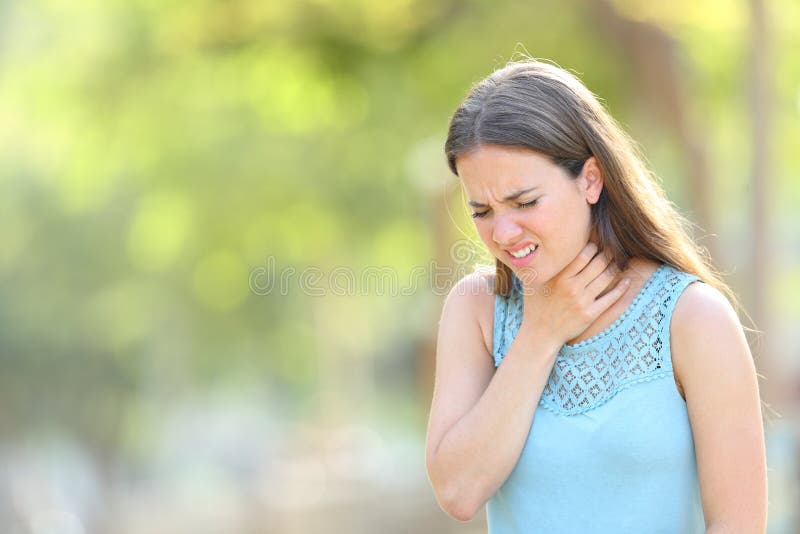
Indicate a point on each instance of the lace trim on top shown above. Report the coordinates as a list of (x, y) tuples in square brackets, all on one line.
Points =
[(635, 348)]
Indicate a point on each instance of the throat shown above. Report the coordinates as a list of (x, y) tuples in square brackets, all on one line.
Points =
[(638, 273)]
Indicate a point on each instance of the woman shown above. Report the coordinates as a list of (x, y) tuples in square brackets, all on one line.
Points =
[(588, 385)]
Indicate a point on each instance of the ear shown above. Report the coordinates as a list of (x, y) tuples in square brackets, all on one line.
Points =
[(591, 180)]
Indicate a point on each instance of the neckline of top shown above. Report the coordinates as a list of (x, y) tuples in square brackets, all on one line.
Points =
[(624, 315)]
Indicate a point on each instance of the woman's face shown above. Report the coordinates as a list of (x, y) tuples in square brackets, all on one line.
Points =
[(531, 214)]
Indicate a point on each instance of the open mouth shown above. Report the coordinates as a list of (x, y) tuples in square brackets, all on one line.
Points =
[(523, 252)]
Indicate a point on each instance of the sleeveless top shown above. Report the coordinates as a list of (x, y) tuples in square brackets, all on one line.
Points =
[(610, 448)]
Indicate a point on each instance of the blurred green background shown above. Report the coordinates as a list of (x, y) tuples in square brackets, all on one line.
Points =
[(220, 221)]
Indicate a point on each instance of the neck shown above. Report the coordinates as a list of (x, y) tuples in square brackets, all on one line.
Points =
[(636, 270)]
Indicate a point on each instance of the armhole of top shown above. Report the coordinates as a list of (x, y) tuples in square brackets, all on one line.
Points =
[(487, 336), (670, 311), (497, 328)]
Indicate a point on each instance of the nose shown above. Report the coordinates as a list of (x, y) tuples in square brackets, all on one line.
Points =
[(506, 231)]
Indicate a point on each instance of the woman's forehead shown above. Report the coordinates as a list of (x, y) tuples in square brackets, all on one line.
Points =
[(503, 177), (493, 163)]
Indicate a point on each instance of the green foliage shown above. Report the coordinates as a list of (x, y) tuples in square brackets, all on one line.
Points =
[(152, 154)]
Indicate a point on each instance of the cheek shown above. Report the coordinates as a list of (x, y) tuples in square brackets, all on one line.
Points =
[(546, 220), (575, 227), (484, 229), (566, 226)]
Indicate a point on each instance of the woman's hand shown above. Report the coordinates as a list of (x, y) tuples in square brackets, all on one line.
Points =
[(567, 304)]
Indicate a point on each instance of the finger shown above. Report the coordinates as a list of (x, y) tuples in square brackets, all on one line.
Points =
[(581, 260), (599, 264), (606, 301), (602, 281)]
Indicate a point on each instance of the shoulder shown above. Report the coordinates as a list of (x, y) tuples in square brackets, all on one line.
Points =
[(701, 308), (473, 294), (477, 284), (706, 335), (471, 303)]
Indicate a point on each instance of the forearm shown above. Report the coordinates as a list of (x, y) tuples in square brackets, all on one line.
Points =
[(478, 453)]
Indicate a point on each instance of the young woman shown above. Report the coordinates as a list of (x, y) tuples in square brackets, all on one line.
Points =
[(589, 384)]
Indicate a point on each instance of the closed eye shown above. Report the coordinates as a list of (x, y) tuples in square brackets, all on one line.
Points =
[(479, 214)]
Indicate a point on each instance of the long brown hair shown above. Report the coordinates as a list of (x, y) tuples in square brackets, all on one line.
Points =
[(542, 107)]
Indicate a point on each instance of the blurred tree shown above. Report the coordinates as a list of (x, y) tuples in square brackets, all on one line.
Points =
[(152, 154)]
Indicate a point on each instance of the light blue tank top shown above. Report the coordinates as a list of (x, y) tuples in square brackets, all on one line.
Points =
[(610, 448)]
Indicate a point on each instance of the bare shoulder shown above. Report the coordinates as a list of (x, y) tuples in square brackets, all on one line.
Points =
[(702, 308), (471, 301), (475, 288), (706, 335)]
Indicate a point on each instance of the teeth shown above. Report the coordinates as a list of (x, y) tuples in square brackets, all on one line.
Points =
[(523, 252)]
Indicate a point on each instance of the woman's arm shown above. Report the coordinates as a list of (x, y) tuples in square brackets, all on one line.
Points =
[(713, 363), (480, 418)]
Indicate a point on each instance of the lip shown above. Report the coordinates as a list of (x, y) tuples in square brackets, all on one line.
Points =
[(522, 262), (522, 245)]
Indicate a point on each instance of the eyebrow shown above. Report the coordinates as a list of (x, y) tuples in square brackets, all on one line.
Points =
[(513, 196)]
